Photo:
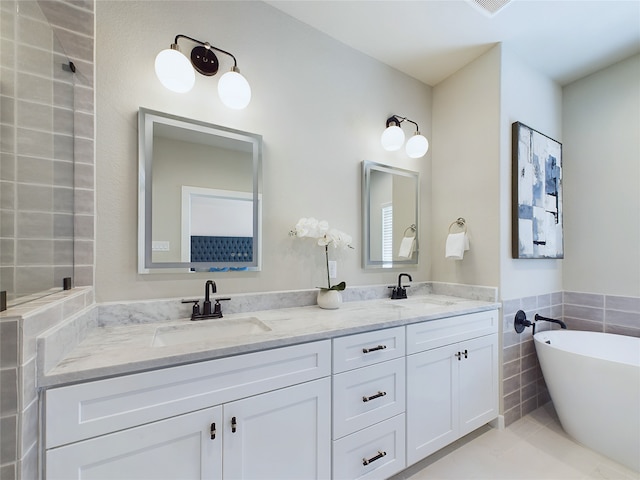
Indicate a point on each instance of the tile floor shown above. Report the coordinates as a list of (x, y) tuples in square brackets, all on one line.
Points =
[(532, 448)]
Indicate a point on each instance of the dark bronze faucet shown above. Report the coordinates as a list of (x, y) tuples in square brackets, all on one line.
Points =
[(207, 312), (206, 306), (400, 292)]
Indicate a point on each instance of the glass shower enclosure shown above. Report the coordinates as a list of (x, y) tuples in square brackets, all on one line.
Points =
[(37, 156)]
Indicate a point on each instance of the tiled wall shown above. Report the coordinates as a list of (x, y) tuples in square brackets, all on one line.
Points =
[(19, 405), (47, 118), (602, 313), (523, 387), (47, 152)]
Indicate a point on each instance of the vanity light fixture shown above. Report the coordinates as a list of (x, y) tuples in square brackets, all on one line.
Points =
[(393, 138), (176, 72)]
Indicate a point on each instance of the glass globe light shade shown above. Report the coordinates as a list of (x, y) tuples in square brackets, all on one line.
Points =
[(174, 70), (417, 146), (234, 90), (392, 138)]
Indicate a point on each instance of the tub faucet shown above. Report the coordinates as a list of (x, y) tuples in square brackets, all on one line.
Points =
[(552, 320), (400, 292)]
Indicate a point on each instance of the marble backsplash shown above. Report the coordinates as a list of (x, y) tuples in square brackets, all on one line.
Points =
[(170, 309)]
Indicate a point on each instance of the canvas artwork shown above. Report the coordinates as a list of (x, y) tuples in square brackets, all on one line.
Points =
[(537, 194)]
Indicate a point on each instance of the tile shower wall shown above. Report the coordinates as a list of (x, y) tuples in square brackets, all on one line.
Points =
[(47, 177), (30, 107), (19, 403), (523, 388)]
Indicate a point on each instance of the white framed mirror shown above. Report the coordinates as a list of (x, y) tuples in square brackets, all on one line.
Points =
[(390, 201), (199, 196)]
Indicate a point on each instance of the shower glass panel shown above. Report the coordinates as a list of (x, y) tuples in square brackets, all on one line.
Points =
[(37, 157)]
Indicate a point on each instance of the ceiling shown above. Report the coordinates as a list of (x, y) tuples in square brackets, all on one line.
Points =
[(431, 39)]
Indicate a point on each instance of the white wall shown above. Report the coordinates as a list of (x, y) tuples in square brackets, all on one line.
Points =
[(466, 176), (601, 124), (319, 105), (529, 97)]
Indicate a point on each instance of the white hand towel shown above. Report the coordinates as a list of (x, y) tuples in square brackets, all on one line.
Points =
[(457, 244), (406, 247)]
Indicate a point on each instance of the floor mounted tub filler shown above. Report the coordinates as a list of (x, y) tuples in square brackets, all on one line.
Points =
[(594, 382)]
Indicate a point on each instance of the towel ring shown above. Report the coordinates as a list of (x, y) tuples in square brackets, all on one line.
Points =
[(460, 222), (411, 227)]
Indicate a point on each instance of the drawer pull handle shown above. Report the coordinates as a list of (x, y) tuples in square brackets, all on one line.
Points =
[(374, 349), (234, 424), (373, 397), (213, 431), (380, 454)]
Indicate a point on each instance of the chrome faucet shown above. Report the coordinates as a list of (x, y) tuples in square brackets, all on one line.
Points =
[(400, 292), (207, 311)]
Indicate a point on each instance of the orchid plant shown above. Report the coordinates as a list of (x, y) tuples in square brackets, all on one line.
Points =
[(325, 236)]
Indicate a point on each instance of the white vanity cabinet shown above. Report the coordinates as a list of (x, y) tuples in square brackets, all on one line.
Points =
[(369, 404), (362, 406), (452, 380), (259, 415)]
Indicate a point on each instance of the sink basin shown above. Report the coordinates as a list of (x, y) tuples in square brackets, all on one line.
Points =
[(203, 330), (422, 302)]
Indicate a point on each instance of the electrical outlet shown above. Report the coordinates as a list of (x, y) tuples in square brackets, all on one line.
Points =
[(160, 246), (333, 269)]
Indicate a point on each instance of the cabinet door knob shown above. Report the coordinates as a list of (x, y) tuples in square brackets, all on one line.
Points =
[(373, 349), (366, 461), (459, 355), (372, 397), (213, 431), (234, 424)]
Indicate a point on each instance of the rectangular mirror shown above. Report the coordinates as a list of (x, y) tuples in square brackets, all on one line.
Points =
[(199, 197), (390, 216)]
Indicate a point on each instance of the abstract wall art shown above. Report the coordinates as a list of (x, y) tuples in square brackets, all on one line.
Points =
[(537, 194)]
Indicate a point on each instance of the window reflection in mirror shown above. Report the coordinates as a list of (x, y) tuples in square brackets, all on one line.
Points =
[(199, 197), (390, 216)]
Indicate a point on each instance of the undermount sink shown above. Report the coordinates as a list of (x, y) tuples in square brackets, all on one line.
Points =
[(203, 330), (423, 302)]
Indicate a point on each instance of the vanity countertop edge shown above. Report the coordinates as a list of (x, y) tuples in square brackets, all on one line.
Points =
[(109, 351)]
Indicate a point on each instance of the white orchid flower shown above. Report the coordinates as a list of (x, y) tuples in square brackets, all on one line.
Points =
[(336, 238), (312, 228)]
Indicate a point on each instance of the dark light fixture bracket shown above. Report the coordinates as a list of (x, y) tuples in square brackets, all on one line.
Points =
[(203, 58), (396, 120)]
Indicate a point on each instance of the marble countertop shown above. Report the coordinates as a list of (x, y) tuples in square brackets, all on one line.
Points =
[(120, 349)]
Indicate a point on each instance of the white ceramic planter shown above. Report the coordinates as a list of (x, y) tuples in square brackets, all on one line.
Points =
[(329, 299)]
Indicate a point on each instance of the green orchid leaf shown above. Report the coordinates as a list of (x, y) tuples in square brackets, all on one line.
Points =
[(340, 286)]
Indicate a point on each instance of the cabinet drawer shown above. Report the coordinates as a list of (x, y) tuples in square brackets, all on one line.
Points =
[(368, 395), (375, 452), (87, 410), (437, 333), (364, 349)]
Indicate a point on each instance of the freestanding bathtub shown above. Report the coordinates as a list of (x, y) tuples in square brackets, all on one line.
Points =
[(594, 382)]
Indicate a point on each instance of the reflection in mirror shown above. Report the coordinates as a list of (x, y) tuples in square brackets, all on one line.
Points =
[(199, 196), (390, 216)]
